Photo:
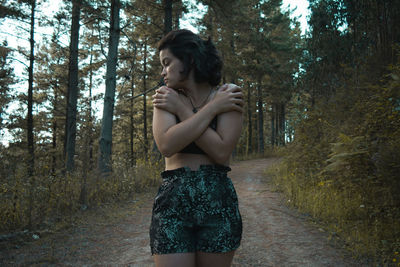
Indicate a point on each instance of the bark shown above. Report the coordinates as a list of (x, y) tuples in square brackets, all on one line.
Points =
[(131, 127), (90, 115), (282, 124), (54, 129), (30, 93), (278, 124), (260, 118), (249, 124), (177, 18), (132, 122), (72, 87), (273, 114), (146, 141), (167, 16), (31, 151), (105, 143)]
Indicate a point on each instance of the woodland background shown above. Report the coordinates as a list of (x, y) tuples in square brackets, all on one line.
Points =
[(328, 102)]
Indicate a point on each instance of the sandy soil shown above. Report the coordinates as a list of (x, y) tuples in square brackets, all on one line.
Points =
[(273, 234)]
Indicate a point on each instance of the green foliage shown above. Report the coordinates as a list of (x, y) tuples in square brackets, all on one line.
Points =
[(347, 175), (343, 166)]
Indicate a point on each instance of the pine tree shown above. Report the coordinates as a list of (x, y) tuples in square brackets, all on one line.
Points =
[(72, 95), (105, 143)]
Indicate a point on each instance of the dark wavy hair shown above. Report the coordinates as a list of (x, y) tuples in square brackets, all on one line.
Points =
[(195, 53)]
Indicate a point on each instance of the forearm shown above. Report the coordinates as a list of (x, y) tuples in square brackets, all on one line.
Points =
[(176, 137), (209, 141), (218, 145)]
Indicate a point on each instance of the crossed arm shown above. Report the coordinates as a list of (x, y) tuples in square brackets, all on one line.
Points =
[(171, 137)]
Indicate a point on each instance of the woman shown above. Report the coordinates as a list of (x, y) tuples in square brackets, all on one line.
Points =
[(196, 220)]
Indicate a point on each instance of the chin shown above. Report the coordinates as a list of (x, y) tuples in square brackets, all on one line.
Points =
[(173, 86)]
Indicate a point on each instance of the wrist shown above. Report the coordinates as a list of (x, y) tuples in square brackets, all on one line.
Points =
[(184, 112), (213, 108)]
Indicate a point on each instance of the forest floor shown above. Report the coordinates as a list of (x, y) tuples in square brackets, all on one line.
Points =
[(273, 233)]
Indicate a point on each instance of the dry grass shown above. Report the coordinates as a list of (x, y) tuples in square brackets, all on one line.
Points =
[(57, 198), (354, 215)]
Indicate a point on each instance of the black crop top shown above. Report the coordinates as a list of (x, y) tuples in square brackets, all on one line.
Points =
[(192, 148)]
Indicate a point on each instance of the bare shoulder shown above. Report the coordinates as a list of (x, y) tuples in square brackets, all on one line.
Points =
[(230, 121), (163, 119)]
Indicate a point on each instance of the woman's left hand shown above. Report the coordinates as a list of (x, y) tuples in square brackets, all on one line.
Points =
[(167, 99)]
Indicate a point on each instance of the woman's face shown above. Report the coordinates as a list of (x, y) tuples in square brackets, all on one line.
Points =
[(172, 69)]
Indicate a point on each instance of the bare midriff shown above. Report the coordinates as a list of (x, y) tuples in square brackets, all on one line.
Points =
[(193, 161)]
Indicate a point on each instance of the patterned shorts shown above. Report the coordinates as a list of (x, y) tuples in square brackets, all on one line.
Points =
[(195, 211)]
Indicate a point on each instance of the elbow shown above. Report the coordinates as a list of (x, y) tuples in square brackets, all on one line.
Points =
[(166, 151), (222, 158), (166, 154)]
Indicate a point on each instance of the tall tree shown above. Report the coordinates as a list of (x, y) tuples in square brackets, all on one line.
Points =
[(105, 143), (145, 139), (260, 108), (167, 16), (249, 145), (73, 89), (31, 150), (30, 138)]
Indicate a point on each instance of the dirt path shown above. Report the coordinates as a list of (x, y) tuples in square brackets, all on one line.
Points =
[(273, 235)]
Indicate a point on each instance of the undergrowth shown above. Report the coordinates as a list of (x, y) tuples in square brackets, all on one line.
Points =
[(56, 198), (343, 168)]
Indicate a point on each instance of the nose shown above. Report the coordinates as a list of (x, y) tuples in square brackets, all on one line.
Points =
[(163, 72)]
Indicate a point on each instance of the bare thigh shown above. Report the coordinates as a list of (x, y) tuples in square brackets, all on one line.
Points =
[(175, 259), (204, 259)]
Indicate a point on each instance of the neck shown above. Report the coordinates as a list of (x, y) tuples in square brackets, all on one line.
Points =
[(198, 92)]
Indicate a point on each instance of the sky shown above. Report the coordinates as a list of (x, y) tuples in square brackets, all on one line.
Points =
[(7, 33), (301, 13)]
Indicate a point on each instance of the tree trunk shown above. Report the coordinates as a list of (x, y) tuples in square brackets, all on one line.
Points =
[(167, 16), (31, 151), (177, 18), (105, 143), (54, 129), (273, 114), (146, 141), (260, 118), (72, 87), (90, 115), (132, 112), (282, 124), (249, 124), (276, 127), (132, 127), (278, 123)]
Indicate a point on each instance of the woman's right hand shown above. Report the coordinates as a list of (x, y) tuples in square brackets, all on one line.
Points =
[(229, 97), (167, 99)]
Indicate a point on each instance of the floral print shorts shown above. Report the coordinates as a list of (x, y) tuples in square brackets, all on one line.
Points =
[(195, 211)]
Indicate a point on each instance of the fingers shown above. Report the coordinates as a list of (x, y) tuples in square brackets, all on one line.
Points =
[(223, 87), (238, 95), (160, 92), (157, 101), (163, 90), (237, 108), (238, 102), (231, 88), (234, 88), (157, 96)]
